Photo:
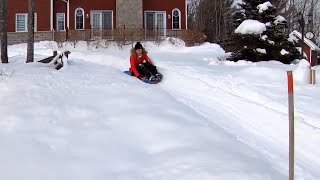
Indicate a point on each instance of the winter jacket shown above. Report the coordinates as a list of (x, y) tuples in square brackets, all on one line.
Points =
[(135, 61)]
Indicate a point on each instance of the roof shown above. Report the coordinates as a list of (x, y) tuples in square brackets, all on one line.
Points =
[(311, 44)]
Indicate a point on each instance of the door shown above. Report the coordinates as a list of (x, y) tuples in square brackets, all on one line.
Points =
[(101, 19), (155, 24), (101, 23)]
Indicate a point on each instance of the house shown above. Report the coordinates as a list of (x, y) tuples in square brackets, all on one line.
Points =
[(311, 50), (67, 15)]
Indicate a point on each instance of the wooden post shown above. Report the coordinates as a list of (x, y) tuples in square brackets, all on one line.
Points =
[(310, 75), (313, 76), (291, 125)]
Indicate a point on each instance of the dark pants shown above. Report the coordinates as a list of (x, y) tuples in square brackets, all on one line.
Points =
[(147, 69)]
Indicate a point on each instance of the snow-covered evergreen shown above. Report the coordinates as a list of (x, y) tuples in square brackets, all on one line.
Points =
[(257, 26)]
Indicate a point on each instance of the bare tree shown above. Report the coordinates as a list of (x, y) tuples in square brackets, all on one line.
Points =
[(311, 11), (3, 30), (214, 18), (281, 6), (30, 48)]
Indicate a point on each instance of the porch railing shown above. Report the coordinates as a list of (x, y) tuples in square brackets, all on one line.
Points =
[(119, 34)]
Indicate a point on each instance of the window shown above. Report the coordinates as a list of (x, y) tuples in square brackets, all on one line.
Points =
[(101, 19), (22, 22), (60, 21), (79, 15), (155, 20), (176, 21)]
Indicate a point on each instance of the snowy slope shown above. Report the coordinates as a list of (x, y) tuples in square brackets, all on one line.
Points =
[(207, 120)]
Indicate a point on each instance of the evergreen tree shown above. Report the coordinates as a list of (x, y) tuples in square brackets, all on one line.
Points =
[(271, 44)]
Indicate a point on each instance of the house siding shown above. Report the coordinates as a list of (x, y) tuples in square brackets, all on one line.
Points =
[(167, 6), (311, 55), (88, 6), (42, 8), (314, 58), (307, 50), (59, 7), (127, 16)]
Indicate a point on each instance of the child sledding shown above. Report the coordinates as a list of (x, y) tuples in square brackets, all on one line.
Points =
[(142, 67)]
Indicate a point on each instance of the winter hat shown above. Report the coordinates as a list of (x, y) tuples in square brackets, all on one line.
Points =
[(138, 46)]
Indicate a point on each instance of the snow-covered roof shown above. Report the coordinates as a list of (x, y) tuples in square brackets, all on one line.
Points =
[(311, 44)]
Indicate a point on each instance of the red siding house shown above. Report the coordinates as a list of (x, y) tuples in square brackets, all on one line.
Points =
[(18, 13), (61, 15)]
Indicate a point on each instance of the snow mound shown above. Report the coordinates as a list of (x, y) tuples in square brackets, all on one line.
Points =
[(301, 73)]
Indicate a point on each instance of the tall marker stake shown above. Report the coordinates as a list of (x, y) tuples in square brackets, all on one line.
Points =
[(291, 125)]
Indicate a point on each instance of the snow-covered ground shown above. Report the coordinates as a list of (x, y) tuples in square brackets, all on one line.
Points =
[(208, 119)]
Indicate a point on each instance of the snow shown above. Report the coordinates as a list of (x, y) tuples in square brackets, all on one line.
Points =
[(293, 38), (208, 119), (296, 35), (284, 52), (268, 24), (302, 72), (304, 53), (279, 19), (250, 26), (264, 6), (263, 51), (264, 37), (270, 42)]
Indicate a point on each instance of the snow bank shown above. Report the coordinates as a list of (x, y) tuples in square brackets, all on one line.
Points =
[(301, 74)]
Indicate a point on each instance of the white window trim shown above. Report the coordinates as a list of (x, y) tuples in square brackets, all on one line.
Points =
[(164, 18), (75, 18), (35, 22), (186, 13), (26, 22), (51, 15), (176, 9), (64, 21), (100, 11)]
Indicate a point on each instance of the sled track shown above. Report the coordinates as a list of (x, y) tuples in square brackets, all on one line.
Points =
[(298, 118), (235, 122)]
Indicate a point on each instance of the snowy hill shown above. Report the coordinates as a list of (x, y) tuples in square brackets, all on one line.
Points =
[(208, 119)]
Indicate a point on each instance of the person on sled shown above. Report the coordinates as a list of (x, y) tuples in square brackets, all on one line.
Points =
[(141, 66)]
